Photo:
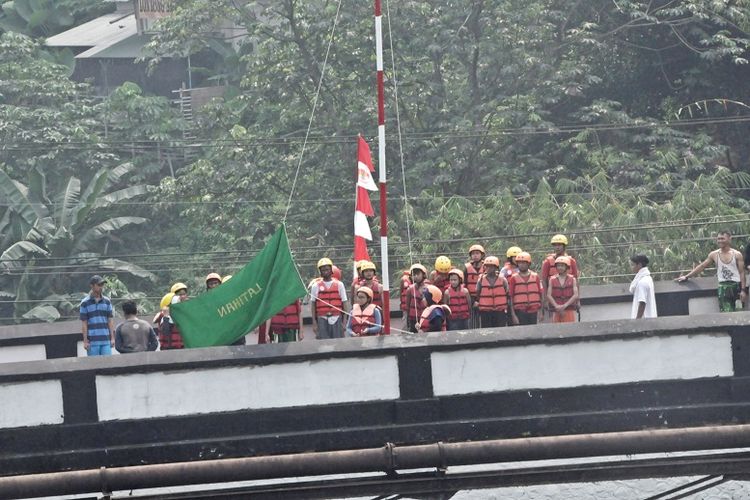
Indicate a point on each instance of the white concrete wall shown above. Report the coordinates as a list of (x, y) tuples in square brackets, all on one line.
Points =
[(602, 312), (703, 305), (20, 353), (279, 385), (581, 364), (24, 404)]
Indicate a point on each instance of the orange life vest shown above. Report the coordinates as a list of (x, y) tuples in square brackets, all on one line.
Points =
[(493, 297), (562, 292), (527, 292), (414, 304), (472, 277), (424, 319), (329, 301), (405, 284), (377, 294), (287, 318), (363, 319), (458, 302)]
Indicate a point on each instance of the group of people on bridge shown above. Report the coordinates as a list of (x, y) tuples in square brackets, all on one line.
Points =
[(482, 293)]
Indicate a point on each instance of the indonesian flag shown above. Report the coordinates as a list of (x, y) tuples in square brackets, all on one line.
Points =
[(363, 209)]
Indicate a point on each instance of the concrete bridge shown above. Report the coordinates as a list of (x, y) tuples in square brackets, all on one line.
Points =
[(387, 406)]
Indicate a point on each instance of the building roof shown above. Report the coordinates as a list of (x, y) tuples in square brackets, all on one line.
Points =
[(100, 34)]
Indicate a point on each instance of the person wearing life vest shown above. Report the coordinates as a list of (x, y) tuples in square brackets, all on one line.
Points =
[(328, 302), (457, 297), (169, 333), (562, 292), (439, 276), (404, 285), (366, 318), (286, 325), (493, 300), (435, 316), (358, 279), (510, 267), (213, 280), (414, 301), (368, 270), (526, 291), (473, 270), (559, 244)]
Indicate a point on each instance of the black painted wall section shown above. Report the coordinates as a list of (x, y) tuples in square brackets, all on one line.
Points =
[(417, 417)]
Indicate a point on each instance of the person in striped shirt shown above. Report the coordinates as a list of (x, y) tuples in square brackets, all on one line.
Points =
[(97, 318)]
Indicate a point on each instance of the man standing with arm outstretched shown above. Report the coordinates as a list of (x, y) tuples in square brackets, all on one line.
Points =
[(730, 271)]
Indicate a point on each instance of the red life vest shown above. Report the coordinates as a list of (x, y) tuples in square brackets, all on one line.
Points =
[(440, 280), (405, 284), (458, 302), (414, 304), (527, 292), (377, 294), (363, 319), (169, 335), (493, 297), (287, 318), (329, 299), (562, 292), (472, 277), (424, 319)]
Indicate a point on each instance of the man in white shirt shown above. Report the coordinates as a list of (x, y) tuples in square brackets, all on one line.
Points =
[(642, 288)]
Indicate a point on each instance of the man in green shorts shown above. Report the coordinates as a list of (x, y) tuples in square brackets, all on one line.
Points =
[(730, 271)]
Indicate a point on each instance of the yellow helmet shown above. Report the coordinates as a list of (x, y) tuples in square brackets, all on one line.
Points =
[(523, 257), (492, 261), (177, 287), (367, 265), (418, 267), (213, 276), (443, 264), (435, 292), (563, 259), (479, 248), (559, 239), (166, 300), (325, 261), (358, 264), (513, 251), (458, 273), (226, 278), (366, 290)]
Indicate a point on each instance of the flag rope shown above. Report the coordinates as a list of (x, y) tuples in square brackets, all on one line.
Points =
[(398, 130), (312, 112), (344, 313)]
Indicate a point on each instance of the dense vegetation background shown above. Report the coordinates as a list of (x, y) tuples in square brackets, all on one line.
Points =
[(623, 124)]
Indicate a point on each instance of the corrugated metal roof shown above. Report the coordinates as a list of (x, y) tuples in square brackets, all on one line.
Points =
[(101, 33)]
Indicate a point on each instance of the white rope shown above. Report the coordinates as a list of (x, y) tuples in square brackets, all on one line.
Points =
[(345, 314), (312, 112), (398, 129)]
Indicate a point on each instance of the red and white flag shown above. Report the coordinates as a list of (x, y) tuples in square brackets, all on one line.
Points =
[(363, 209)]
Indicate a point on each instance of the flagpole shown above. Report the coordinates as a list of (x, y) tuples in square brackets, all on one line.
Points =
[(385, 273)]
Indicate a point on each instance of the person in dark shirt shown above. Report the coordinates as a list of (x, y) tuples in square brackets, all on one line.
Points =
[(133, 334)]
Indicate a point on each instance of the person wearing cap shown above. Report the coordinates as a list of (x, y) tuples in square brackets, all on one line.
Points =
[(559, 244), (642, 288), (366, 318), (526, 292), (414, 297), (213, 280), (457, 297), (328, 301), (493, 299), (439, 276), (169, 333), (133, 334), (474, 271), (562, 292), (97, 320), (510, 267)]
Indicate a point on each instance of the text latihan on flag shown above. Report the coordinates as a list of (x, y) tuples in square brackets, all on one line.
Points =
[(266, 285)]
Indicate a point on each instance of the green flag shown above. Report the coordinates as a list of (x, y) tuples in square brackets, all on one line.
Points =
[(259, 290)]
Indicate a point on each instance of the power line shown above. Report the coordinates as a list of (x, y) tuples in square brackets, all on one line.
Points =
[(345, 139)]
